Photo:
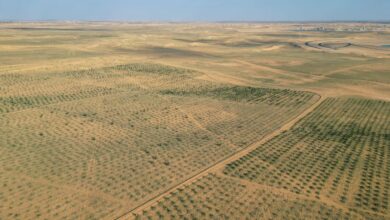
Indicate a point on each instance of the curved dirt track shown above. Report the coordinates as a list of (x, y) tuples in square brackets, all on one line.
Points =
[(328, 45)]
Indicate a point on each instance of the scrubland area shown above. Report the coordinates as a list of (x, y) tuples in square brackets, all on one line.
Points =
[(194, 121)]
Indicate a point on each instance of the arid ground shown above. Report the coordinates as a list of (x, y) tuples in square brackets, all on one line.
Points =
[(107, 120)]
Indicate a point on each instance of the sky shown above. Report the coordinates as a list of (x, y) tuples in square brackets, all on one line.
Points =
[(196, 10)]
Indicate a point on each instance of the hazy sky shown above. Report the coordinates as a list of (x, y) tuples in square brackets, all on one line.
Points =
[(195, 10)]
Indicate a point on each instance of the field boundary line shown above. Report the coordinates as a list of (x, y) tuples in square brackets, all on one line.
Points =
[(222, 162), (284, 192), (290, 195)]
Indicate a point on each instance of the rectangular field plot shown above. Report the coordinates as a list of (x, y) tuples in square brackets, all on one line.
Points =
[(242, 115), (113, 137), (339, 152)]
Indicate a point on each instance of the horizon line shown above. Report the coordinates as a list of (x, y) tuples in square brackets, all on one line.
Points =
[(194, 21)]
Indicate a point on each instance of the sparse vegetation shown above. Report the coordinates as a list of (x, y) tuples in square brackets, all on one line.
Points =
[(129, 144), (216, 197), (194, 121), (337, 152)]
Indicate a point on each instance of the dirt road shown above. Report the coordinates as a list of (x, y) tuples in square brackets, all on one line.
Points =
[(219, 164)]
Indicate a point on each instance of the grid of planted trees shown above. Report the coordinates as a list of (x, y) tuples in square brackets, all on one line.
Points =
[(95, 143), (333, 164), (339, 152)]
